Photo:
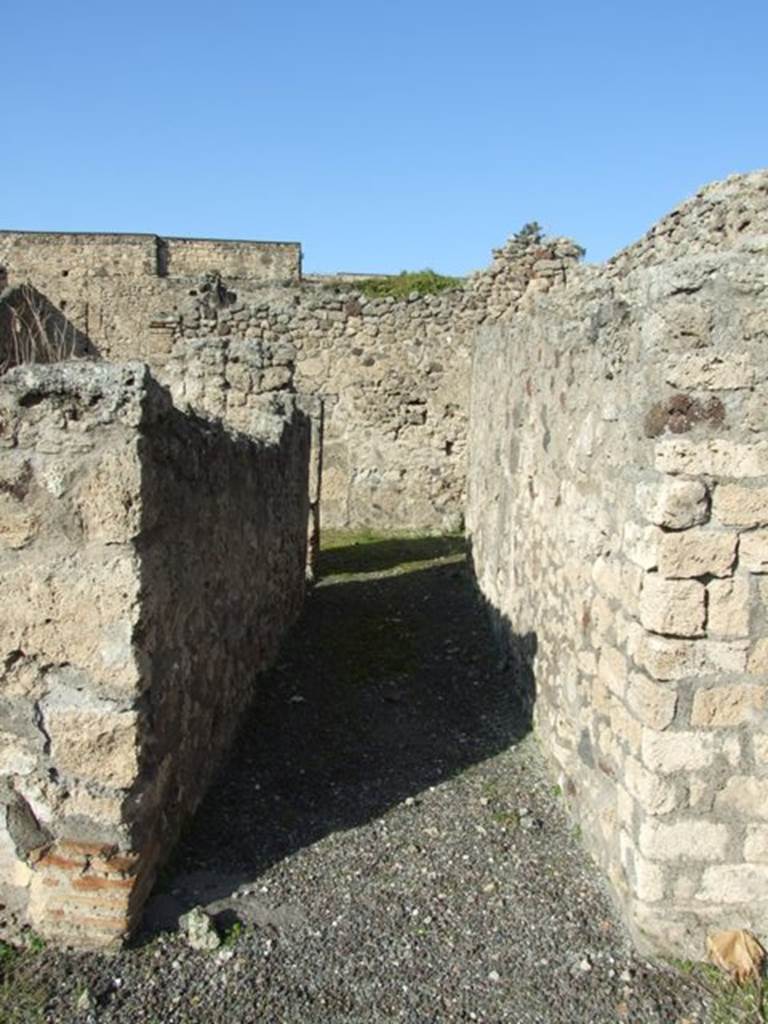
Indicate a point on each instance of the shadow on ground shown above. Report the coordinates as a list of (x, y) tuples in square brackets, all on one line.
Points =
[(377, 554), (388, 684)]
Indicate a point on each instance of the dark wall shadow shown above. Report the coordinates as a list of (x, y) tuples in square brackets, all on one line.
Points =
[(386, 686)]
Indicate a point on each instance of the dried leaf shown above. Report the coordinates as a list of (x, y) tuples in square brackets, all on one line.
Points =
[(738, 953)]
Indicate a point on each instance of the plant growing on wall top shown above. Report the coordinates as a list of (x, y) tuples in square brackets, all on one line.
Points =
[(529, 234), (400, 286)]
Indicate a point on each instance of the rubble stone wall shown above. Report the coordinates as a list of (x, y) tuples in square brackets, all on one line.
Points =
[(618, 516), (110, 286), (150, 563), (392, 376)]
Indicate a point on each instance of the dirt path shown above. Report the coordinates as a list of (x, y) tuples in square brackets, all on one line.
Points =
[(397, 850)]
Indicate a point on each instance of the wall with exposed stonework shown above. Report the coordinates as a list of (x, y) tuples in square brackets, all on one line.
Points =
[(150, 563), (618, 516), (110, 286), (392, 376), (33, 330)]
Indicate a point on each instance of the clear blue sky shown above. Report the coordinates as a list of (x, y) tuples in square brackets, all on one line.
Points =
[(382, 136)]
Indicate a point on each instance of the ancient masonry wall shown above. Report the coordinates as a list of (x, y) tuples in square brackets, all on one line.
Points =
[(150, 563), (392, 378), (109, 287), (618, 516)]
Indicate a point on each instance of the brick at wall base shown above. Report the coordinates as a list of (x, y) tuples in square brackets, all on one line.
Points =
[(89, 895)]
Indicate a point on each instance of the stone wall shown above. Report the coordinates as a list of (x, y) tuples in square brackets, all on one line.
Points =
[(392, 376), (150, 562), (110, 287), (618, 515), (33, 330)]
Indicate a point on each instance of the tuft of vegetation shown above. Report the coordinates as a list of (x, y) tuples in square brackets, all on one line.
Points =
[(730, 1003), (233, 934), (400, 286), (22, 994), (529, 234)]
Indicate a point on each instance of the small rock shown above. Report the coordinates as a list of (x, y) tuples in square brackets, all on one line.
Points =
[(199, 930), (494, 976)]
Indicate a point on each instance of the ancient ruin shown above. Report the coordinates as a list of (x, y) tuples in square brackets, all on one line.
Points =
[(603, 428)]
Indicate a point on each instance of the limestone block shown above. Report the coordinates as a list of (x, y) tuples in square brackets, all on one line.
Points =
[(94, 805), (656, 795), (612, 670), (686, 884), (713, 457), (606, 573), (675, 504), (756, 843), (729, 608), (756, 324), (625, 726), (692, 839), (601, 618), (744, 795), (641, 544), (91, 739), (652, 703), (709, 370), (753, 551), (725, 656), (696, 552), (647, 878), (735, 505), (668, 659), (730, 747), (734, 883), (79, 611), (725, 706), (108, 498), (672, 607), (669, 752), (666, 930)]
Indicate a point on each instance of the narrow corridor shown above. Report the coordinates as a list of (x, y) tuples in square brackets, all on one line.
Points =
[(385, 843)]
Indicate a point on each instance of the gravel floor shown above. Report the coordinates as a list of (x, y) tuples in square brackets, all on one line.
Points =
[(388, 838)]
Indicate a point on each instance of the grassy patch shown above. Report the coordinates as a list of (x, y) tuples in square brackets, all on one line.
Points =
[(731, 1003), (400, 286), (22, 995), (382, 637), (347, 553)]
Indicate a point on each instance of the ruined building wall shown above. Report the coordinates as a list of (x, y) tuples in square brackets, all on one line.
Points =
[(618, 514), (150, 563), (392, 376), (110, 286), (32, 329)]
